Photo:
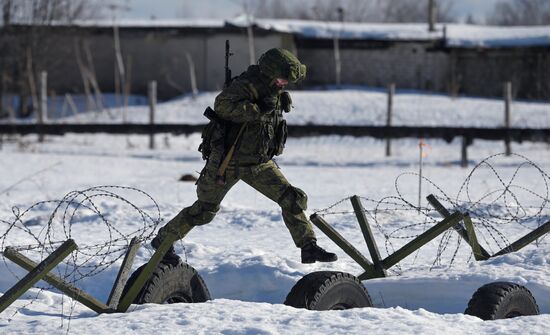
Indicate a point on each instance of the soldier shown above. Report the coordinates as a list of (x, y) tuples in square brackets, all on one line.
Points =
[(249, 131)]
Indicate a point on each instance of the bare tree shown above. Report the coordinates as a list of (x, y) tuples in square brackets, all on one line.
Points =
[(521, 12), (25, 58)]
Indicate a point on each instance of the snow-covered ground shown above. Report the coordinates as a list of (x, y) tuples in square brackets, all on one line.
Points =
[(246, 255), (358, 106)]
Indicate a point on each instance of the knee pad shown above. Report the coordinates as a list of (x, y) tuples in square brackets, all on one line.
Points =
[(293, 200), (202, 213)]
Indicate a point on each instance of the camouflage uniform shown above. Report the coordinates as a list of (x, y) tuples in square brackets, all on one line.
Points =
[(251, 101)]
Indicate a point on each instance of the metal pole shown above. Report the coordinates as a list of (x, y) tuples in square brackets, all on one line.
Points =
[(420, 146), (152, 108), (391, 93), (507, 110)]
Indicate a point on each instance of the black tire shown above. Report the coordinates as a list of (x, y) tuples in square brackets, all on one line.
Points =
[(171, 284), (328, 290), (502, 300)]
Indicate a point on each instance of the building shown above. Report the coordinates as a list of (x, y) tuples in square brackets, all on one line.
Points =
[(455, 59)]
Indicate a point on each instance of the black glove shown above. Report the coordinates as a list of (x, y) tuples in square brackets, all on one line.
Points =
[(268, 104), (286, 101)]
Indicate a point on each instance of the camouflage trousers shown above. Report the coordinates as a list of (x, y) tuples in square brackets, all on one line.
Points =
[(266, 178)]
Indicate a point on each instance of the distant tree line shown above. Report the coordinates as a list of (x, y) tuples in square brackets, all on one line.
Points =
[(521, 13)]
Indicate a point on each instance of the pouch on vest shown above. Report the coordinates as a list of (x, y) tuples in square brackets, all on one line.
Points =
[(280, 137), (213, 134)]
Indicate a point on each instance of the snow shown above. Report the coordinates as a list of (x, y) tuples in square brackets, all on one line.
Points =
[(358, 106), (454, 35), (246, 255)]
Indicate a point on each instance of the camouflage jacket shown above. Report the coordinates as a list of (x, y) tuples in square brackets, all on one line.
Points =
[(242, 103)]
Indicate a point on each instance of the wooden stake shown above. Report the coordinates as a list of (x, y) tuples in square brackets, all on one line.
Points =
[(122, 277), (152, 108), (507, 110), (391, 93), (348, 248), (367, 234), (59, 283), (36, 273)]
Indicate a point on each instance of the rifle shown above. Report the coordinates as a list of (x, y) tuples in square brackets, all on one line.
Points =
[(220, 176), (227, 69)]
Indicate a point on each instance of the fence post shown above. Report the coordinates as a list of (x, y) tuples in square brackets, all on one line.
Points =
[(152, 107), (507, 107), (43, 110), (391, 93), (464, 152)]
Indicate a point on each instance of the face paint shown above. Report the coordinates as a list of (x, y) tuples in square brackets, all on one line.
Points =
[(281, 82)]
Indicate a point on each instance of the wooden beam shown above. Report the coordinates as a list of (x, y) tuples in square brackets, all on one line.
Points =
[(472, 239), (123, 273), (458, 227), (38, 272), (369, 237), (57, 282), (344, 245), (525, 240), (421, 240), (147, 271)]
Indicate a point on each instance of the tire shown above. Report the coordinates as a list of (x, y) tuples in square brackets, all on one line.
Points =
[(171, 284), (502, 300), (328, 290)]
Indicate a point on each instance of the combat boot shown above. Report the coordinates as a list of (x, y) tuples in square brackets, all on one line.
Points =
[(312, 253), (170, 257)]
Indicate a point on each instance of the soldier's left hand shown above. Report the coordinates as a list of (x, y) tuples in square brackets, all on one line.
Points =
[(286, 101)]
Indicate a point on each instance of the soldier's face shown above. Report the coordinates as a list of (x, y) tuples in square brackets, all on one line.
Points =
[(280, 82)]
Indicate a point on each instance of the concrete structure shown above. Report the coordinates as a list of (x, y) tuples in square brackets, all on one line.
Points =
[(464, 60)]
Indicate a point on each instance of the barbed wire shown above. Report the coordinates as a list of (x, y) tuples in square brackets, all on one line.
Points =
[(45, 225), (507, 203)]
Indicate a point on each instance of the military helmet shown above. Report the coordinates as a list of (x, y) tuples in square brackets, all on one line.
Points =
[(281, 63)]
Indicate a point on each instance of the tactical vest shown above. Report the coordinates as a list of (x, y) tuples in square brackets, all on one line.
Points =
[(264, 138)]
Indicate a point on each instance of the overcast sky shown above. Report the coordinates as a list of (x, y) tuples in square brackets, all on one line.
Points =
[(169, 9)]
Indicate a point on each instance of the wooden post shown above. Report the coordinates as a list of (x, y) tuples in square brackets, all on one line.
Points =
[(36, 274), (122, 276), (148, 269), (43, 110), (348, 248), (525, 240), (421, 240), (152, 108), (507, 110), (444, 212), (391, 93), (432, 15), (57, 282), (367, 234), (192, 75), (464, 152), (472, 239)]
